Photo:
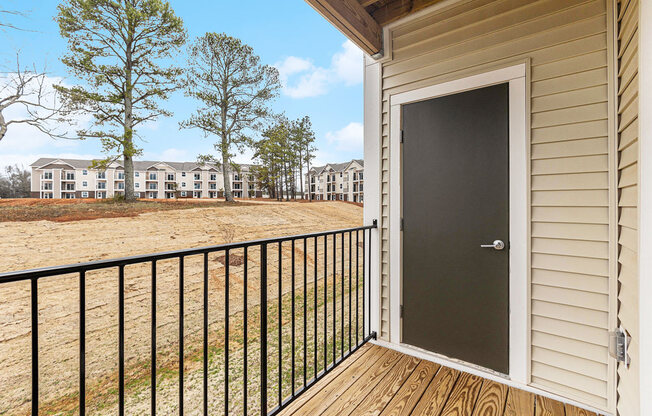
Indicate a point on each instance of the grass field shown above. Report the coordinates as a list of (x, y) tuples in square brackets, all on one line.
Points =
[(44, 243)]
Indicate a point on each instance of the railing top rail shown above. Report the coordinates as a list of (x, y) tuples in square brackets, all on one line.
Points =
[(22, 275)]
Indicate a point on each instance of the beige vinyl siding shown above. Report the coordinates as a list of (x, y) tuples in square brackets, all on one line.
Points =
[(565, 43), (628, 385)]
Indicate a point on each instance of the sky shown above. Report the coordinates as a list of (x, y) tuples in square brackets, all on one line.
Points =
[(320, 69)]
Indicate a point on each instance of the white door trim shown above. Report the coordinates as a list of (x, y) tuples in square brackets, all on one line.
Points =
[(519, 224)]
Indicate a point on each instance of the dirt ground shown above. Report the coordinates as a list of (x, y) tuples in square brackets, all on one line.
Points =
[(33, 244)]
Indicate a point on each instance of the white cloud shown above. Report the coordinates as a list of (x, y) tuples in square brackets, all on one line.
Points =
[(349, 138), (302, 79)]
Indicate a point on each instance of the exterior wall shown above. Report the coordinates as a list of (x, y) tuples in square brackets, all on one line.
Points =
[(565, 43), (628, 201), (342, 188), (141, 182)]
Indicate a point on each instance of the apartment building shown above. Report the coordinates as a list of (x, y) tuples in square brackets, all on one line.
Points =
[(74, 178), (337, 181)]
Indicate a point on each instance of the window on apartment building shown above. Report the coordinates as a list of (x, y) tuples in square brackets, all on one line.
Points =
[(251, 186), (70, 187), (70, 176), (361, 186), (251, 178), (184, 193), (170, 176), (340, 174), (84, 172), (237, 186), (213, 176), (333, 179), (312, 179), (136, 185), (136, 174), (198, 186), (121, 185), (360, 176), (197, 176), (183, 184), (101, 175), (47, 195), (121, 175), (340, 186), (84, 183), (152, 185), (183, 174), (47, 186), (84, 194), (355, 176), (47, 175), (213, 186), (101, 185), (152, 176)]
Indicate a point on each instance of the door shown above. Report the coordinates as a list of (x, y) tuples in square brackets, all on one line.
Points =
[(455, 185)]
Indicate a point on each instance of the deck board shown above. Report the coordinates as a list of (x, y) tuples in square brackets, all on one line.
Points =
[(377, 381)]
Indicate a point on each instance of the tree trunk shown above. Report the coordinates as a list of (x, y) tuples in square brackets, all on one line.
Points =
[(228, 195), (128, 147), (303, 194)]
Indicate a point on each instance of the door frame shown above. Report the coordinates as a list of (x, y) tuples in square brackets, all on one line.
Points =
[(519, 223)]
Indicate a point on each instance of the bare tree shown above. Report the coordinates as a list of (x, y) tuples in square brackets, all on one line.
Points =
[(30, 90), (15, 182)]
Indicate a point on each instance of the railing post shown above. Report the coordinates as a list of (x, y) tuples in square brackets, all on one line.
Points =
[(263, 329), (34, 296)]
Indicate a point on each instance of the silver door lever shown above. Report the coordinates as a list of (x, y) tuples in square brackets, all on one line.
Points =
[(496, 245)]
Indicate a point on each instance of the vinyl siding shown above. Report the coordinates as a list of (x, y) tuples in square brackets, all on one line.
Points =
[(565, 42), (628, 384)]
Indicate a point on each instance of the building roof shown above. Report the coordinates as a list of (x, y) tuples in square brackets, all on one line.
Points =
[(138, 164), (337, 167)]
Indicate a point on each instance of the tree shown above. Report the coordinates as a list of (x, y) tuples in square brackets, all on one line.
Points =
[(234, 89), (15, 182), (30, 91), (303, 138), (118, 47)]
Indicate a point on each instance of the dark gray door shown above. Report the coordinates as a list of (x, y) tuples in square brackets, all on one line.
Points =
[(455, 199)]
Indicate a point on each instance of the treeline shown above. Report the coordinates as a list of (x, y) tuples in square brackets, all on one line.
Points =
[(287, 147), (15, 182)]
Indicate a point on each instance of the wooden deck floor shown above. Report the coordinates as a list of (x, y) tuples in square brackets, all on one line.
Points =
[(379, 381)]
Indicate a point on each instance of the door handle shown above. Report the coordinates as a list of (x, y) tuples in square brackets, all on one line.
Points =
[(496, 245)]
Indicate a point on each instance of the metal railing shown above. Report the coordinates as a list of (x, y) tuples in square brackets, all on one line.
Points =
[(324, 343)]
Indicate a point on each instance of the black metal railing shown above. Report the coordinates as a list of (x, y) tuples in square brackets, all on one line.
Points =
[(353, 304)]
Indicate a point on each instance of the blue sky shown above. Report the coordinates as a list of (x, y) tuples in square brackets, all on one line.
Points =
[(321, 70)]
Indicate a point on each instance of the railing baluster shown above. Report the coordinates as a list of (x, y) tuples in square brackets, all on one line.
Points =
[(334, 297), (369, 277), (364, 294), (325, 302), (350, 292), (34, 304), (244, 312), (205, 336), (357, 286), (263, 329), (305, 311), (293, 322), (226, 332), (153, 343), (82, 343), (181, 307), (121, 340), (342, 300), (280, 323), (315, 309)]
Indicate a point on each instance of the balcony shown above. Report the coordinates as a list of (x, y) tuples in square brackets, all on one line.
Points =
[(309, 294)]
